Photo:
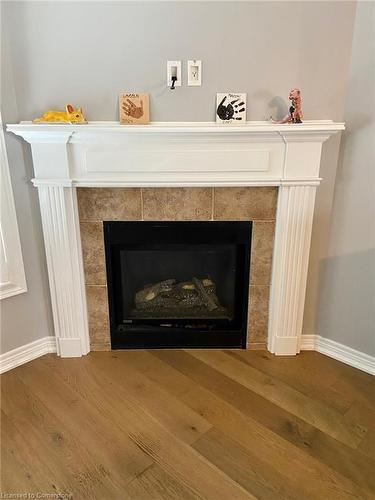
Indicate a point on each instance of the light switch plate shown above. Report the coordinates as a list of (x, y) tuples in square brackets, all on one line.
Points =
[(174, 68), (194, 73)]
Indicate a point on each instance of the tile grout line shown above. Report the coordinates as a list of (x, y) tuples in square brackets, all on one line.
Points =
[(90, 220), (212, 214), (142, 209)]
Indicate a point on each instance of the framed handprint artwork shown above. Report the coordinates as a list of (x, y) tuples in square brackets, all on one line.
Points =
[(230, 108), (134, 108)]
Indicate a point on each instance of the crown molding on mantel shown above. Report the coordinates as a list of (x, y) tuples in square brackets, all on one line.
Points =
[(58, 132), (107, 154), (183, 127)]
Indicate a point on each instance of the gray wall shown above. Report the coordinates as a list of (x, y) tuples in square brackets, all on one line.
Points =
[(25, 317), (347, 300), (87, 52)]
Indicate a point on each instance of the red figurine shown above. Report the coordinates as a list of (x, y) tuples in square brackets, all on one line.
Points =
[(295, 110)]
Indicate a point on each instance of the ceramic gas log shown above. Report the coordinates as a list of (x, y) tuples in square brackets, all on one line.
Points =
[(193, 299)]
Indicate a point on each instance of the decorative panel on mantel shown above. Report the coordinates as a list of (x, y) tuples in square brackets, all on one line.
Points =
[(248, 203)]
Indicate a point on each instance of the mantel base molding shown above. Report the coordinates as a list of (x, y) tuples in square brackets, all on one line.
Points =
[(62, 240), (290, 265), (285, 346)]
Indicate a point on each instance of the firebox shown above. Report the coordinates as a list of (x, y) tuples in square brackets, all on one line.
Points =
[(178, 284)]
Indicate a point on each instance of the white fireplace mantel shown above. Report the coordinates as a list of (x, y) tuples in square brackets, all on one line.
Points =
[(102, 154)]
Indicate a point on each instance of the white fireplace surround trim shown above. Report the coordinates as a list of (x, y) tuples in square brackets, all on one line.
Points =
[(106, 154)]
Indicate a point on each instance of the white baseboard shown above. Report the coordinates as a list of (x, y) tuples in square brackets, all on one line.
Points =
[(330, 348), (308, 342), (338, 351), (26, 353)]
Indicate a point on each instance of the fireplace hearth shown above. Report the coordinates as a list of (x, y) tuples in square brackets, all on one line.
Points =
[(178, 284)]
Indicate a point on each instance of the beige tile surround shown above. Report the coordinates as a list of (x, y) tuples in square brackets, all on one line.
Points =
[(257, 204)]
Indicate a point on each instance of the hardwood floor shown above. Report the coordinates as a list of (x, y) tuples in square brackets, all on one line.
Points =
[(173, 424)]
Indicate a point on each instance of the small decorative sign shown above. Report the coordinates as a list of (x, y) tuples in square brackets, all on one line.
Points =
[(134, 108), (230, 107)]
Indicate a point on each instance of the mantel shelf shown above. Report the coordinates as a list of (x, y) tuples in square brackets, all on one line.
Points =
[(310, 126)]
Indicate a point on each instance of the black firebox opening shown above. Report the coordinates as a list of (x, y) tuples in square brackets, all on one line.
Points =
[(178, 284)]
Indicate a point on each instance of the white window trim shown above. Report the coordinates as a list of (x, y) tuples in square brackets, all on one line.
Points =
[(12, 268)]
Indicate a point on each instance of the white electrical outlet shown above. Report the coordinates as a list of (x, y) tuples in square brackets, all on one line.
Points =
[(174, 69), (194, 71)]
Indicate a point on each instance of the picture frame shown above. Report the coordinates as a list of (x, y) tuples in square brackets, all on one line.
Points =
[(134, 108), (231, 108)]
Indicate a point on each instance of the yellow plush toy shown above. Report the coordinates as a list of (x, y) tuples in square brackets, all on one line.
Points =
[(71, 115)]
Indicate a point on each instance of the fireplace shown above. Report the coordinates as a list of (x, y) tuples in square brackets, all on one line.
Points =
[(178, 284), (223, 165)]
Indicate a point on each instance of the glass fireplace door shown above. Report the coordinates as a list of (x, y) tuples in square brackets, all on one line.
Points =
[(177, 284)]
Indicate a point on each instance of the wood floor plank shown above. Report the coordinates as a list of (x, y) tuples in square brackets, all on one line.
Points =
[(214, 396), (106, 451), (367, 447), (175, 424), (314, 413), (362, 413), (155, 484), (179, 460), (319, 378), (148, 363), (64, 454), (355, 382), (21, 469), (172, 413), (326, 469), (315, 376), (248, 468)]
